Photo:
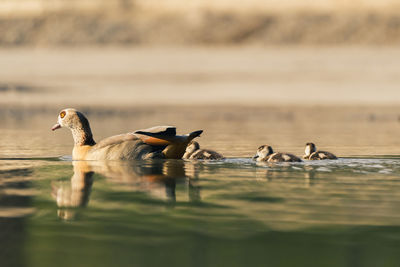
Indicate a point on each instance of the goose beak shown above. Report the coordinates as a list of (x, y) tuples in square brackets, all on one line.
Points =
[(255, 157), (56, 126)]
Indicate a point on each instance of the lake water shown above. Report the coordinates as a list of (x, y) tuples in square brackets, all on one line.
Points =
[(234, 212)]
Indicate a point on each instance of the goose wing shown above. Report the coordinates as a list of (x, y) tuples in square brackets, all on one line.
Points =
[(116, 139), (164, 135), (156, 132), (158, 135)]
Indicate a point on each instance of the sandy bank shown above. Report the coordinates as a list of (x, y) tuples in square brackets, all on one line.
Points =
[(200, 76), (105, 23)]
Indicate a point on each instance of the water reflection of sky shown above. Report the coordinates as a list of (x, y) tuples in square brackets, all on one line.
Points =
[(56, 205), (349, 191), (51, 206)]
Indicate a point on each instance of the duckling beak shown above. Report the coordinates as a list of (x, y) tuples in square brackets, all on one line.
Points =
[(255, 157), (56, 126)]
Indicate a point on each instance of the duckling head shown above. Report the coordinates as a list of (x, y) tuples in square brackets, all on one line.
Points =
[(78, 124), (263, 152), (310, 148), (192, 147)]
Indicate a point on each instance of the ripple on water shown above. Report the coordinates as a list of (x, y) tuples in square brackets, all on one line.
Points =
[(348, 191), (154, 203)]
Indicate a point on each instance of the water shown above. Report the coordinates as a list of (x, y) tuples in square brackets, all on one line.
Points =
[(179, 213), (234, 212)]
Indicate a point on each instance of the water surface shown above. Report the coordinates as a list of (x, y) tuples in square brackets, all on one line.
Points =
[(233, 212)]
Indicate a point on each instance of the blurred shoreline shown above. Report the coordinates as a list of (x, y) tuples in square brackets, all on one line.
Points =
[(243, 76), (41, 23)]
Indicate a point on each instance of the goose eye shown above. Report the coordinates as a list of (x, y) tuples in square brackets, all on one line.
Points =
[(62, 114)]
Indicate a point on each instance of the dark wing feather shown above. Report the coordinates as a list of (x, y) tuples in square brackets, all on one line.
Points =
[(158, 131), (158, 135)]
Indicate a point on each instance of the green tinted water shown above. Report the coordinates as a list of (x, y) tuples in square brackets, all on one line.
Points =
[(235, 212), (177, 213)]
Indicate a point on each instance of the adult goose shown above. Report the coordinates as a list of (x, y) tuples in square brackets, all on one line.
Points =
[(155, 142), (266, 153)]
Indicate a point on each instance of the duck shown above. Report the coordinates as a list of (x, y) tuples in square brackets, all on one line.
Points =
[(266, 153), (152, 143), (193, 151), (311, 153)]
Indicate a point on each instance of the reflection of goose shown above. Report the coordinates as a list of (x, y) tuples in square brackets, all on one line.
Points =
[(157, 178), (265, 153), (75, 194), (156, 142), (193, 151), (311, 153)]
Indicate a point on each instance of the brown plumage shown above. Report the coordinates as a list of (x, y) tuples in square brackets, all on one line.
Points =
[(193, 151), (266, 153), (311, 153), (156, 142)]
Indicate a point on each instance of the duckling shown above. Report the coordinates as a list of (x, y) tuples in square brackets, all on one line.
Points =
[(193, 151), (311, 153), (266, 153), (155, 142)]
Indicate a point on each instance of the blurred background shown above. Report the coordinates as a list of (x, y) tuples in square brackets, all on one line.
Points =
[(266, 61), (247, 72)]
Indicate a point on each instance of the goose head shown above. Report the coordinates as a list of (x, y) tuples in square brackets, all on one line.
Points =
[(263, 152), (78, 124), (192, 147), (310, 148)]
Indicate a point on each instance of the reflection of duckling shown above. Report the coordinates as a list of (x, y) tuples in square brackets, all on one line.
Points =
[(311, 153), (193, 151), (265, 153)]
